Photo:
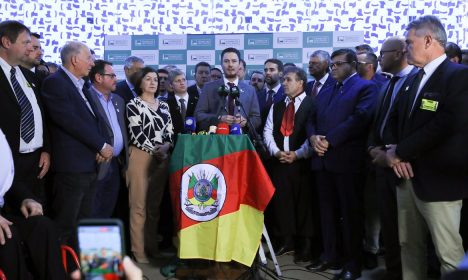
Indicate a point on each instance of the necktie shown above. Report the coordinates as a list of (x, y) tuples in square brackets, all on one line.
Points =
[(387, 104), (336, 92), (413, 95), (269, 100), (314, 91), (27, 115), (183, 108), (287, 124), (231, 105)]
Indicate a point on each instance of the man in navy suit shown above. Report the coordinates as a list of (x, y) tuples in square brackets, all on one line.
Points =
[(79, 142), (430, 153), (125, 88), (202, 76), (337, 131), (111, 107), (319, 69), (215, 107), (273, 91)]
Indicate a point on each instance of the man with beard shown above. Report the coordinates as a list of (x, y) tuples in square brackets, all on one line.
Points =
[(257, 80), (273, 91), (33, 60), (319, 68), (215, 107)]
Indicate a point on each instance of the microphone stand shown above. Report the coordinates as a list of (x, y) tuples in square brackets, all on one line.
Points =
[(256, 139)]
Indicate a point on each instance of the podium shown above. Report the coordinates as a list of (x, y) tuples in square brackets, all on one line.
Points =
[(219, 190)]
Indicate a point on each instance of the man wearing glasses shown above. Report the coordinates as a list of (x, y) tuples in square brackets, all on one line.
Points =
[(337, 131), (112, 109)]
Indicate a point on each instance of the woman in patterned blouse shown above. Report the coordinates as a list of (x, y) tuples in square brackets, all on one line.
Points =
[(151, 133)]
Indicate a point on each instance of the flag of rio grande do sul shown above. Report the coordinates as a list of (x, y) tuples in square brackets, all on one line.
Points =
[(219, 190)]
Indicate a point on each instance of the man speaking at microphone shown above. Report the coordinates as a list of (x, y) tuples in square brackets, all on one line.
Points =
[(217, 104)]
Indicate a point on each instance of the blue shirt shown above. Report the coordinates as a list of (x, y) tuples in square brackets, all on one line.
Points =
[(111, 114)]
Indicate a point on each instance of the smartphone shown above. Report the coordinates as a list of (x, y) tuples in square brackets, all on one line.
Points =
[(101, 244)]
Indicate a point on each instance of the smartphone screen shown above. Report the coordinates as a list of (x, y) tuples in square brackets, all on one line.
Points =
[(101, 251)]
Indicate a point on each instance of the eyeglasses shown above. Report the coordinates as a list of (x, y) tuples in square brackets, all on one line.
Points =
[(383, 52), (338, 63), (112, 76)]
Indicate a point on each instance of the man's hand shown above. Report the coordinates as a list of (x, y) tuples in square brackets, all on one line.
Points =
[(319, 144), (379, 157), (99, 158), (228, 119), (290, 157), (241, 120), (403, 170), (391, 156), (107, 152), (5, 231), (162, 151), (30, 207), (44, 164)]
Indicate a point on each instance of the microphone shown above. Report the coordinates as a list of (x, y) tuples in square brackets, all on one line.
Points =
[(223, 91), (234, 92), (189, 125), (235, 129)]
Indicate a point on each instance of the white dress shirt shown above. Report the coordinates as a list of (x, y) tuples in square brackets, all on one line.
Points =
[(7, 169)]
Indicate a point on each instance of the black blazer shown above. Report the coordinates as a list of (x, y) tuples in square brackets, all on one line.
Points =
[(174, 109), (124, 91), (193, 90), (10, 119), (434, 141)]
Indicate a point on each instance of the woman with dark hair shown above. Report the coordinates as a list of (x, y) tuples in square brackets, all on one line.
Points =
[(151, 133)]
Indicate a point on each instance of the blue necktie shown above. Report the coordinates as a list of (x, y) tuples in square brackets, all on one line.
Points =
[(27, 115)]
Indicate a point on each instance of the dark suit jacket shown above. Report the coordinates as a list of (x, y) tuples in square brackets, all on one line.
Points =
[(177, 121), (10, 120), (344, 120), (434, 142), (262, 96), (75, 131), (124, 91), (193, 90), (211, 104), (119, 105), (328, 83)]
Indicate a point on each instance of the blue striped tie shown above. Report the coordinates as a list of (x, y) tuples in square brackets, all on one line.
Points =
[(27, 115)]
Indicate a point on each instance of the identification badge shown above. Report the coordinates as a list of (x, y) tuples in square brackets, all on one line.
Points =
[(429, 105)]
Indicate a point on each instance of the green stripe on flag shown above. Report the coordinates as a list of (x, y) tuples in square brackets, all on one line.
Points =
[(215, 145)]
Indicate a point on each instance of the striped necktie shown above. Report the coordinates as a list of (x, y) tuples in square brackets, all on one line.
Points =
[(27, 115)]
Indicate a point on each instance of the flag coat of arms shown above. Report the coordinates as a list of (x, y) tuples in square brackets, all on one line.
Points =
[(219, 190)]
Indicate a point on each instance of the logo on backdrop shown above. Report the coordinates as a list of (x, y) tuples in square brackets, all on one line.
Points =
[(203, 192)]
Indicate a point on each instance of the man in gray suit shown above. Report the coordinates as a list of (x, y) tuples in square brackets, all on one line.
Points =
[(218, 105), (112, 110)]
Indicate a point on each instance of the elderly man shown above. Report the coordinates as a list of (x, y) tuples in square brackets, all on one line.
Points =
[(125, 88), (77, 131), (430, 154)]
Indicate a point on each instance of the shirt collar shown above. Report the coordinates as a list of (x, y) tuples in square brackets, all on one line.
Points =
[(275, 89), (79, 83), (324, 78), (405, 71), (347, 79), (298, 98), (183, 96), (101, 95), (235, 82), (432, 66), (130, 85), (6, 67)]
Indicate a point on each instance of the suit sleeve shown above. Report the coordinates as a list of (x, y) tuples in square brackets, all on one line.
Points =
[(65, 114), (451, 118), (203, 113), (254, 110), (358, 121)]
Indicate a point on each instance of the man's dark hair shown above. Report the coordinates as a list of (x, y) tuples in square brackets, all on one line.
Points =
[(164, 71), (453, 50), (256, 72), (372, 59), (12, 29), (228, 50), (98, 68), (350, 55), (202, 63), (278, 63), (364, 48), (300, 74), (37, 35), (243, 63), (138, 76)]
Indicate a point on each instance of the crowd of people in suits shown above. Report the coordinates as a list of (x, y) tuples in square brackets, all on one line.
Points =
[(366, 158)]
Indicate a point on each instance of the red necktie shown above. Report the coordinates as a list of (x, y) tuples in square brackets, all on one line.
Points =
[(230, 101), (287, 124)]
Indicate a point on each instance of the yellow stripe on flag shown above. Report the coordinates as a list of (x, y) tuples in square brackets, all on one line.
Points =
[(235, 236)]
